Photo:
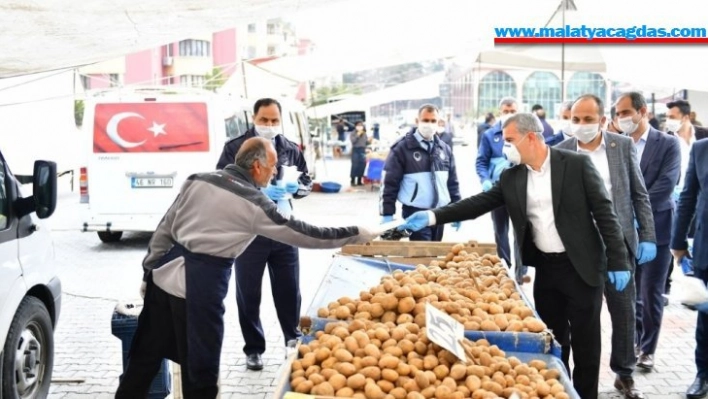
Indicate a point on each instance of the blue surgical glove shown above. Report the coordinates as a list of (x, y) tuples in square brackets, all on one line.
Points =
[(274, 192), (636, 224), (646, 252), (677, 193), (387, 219), (702, 307), (487, 185), (292, 187), (619, 279), (416, 221), (456, 225)]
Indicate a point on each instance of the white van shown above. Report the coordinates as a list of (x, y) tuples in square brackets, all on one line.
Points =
[(30, 291), (142, 144)]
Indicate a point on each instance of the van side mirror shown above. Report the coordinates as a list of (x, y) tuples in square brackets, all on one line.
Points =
[(44, 183)]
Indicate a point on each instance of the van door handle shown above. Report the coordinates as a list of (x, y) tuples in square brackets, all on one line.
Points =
[(150, 174)]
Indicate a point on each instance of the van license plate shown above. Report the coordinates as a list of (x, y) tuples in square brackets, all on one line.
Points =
[(151, 182)]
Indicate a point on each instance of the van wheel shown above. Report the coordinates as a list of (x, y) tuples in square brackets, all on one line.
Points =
[(110, 236), (28, 355)]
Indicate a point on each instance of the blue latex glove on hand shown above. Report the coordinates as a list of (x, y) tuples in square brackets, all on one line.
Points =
[(386, 219), (619, 279), (292, 187), (274, 192), (636, 224), (487, 185), (456, 225), (646, 252), (416, 221), (702, 307)]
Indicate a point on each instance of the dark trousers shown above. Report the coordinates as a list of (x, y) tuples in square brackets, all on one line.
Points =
[(187, 331), (432, 233), (621, 306), (702, 333), (500, 217), (565, 302), (284, 271), (358, 162), (651, 283)]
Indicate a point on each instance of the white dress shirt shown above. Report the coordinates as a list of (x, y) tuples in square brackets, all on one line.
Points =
[(685, 155), (599, 159), (539, 208), (642, 143)]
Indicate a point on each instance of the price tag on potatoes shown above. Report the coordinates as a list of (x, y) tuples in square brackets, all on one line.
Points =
[(445, 331)]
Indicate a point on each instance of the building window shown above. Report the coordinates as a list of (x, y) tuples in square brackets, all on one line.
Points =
[(492, 88), (86, 82), (272, 29), (251, 52), (586, 83), (542, 88), (115, 79), (192, 80), (168, 50), (194, 48), (251, 28), (271, 50)]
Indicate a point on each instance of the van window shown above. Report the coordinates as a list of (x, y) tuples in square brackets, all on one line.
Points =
[(150, 127), (4, 200), (236, 125)]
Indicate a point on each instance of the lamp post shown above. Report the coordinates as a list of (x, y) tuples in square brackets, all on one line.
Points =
[(565, 5)]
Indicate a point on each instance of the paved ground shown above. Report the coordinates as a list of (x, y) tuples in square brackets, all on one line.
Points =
[(96, 276)]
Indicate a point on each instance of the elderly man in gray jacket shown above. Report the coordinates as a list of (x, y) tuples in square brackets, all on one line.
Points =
[(188, 266), (615, 157)]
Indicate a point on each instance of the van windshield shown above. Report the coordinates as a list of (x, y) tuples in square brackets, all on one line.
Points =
[(151, 127)]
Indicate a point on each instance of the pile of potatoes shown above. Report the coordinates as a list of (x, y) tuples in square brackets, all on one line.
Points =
[(474, 290), (364, 359)]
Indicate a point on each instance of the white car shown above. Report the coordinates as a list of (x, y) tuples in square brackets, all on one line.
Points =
[(30, 291)]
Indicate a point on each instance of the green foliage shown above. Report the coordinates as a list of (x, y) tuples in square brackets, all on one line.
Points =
[(78, 112), (322, 94), (215, 79)]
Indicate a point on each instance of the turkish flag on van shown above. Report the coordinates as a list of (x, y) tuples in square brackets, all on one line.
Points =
[(150, 127)]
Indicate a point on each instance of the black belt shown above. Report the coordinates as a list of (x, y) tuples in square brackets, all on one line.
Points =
[(554, 256)]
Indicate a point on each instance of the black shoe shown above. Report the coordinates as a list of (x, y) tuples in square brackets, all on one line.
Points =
[(254, 362), (698, 389), (626, 386), (645, 361)]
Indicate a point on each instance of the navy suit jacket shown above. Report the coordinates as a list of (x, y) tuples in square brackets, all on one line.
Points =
[(693, 201), (555, 139), (661, 168)]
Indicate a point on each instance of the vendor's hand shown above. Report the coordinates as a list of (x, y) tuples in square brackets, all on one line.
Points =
[(274, 192), (416, 221), (292, 187), (619, 279), (456, 225), (646, 252), (487, 185), (386, 219), (143, 288)]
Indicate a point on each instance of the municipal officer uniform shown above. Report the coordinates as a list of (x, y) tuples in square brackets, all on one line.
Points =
[(421, 175), (282, 259)]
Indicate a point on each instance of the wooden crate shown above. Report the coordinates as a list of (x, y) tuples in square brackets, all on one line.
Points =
[(413, 252)]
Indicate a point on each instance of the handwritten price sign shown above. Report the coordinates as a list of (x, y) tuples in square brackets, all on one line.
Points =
[(445, 331)]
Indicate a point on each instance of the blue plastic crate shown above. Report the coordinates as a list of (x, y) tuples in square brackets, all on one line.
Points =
[(552, 362), (347, 276), (123, 326)]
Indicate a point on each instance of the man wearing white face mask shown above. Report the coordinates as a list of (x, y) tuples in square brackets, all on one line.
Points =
[(420, 173), (563, 132), (660, 162), (567, 227), (615, 158), (282, 259), (490, 164)]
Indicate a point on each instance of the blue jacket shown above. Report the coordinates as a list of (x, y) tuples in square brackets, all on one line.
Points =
[(490, 159), (289, 154), (555, 139), (661, 168), (693, 201), (413, 176)]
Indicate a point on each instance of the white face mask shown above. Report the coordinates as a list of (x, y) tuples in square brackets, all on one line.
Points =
[(511, 152), (504, 117), (267, 132), (585, 133), (565, 126), (427, 130), (627, 125), (673, 125), (441, 129)]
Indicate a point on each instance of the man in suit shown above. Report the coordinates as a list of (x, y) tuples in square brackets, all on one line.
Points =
[(564, 219), (615, 158), (564, 130), (541, 114), (660, 163), (693, 203)]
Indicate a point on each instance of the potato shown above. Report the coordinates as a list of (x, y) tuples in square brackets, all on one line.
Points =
[(297, 381), (327, 373), (417, 292), (406, 305), (398, 393), (377, 310), (473, 383), (457, 248), (304, 387), (443, 392), (389, 303), (562, 395), (373, 391), (345, 392), (323, 312), (372, 350), (414, 395), (343, 355), (346, 369), (356, 381), (322, 354), (372, 372), (324, 389), (402, 292), (388, 362), (430, 362), (386, 386), (538, 364), (488, 325), (534, 325)]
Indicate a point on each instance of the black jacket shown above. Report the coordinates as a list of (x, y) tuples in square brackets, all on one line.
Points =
[(584, 215), (289, 154)]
